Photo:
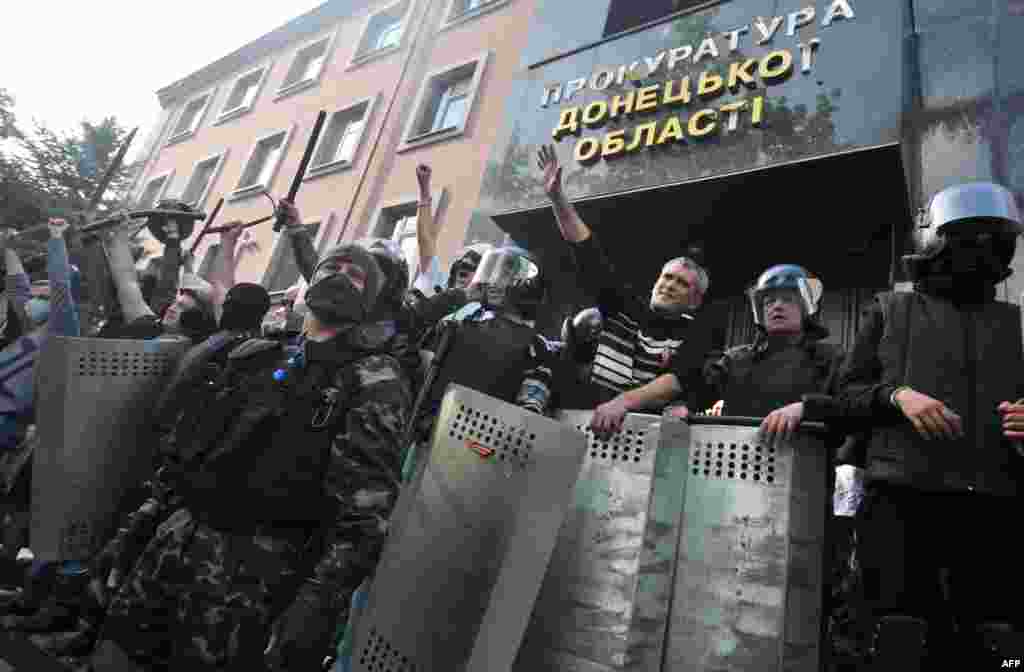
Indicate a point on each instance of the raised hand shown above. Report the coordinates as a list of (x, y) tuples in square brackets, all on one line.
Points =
[(547, 161), (290, 213), (423, 175), (57, 226)]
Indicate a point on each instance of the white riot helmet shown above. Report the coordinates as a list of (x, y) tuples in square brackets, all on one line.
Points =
[(965, 212), (507, 275)]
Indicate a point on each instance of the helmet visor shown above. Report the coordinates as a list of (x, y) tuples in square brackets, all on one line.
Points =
[(805, 292), (503, 268)]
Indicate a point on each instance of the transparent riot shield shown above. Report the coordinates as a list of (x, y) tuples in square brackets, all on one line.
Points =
[(583, 615), (748, 577), (94, 424), (470, 539)]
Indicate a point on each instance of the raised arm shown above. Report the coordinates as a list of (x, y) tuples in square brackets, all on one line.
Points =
[(570, 225), (302, 245), (64, 320), (126, 280), (167, 282), (427, 230)]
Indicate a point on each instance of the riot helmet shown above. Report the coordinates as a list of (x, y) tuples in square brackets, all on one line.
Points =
[(508, 277), (345, 286), (967, 230), (787, 281), (245, 305), (156, 223), (392, 263), (466, 263)]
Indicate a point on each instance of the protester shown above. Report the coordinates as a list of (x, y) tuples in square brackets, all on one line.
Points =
[(334, 412), (931, 372), (648, 352), (187, 311)]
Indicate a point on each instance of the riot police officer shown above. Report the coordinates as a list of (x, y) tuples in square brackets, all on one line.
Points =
[(292, 473), (494, 346), (931, 372)]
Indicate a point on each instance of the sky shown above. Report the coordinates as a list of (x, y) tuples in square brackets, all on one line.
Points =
[(64, 62)]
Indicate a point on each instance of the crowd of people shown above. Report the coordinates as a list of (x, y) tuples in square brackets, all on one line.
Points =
[(286, 435)]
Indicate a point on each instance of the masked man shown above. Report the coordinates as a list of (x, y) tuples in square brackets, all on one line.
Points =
[(646, 353), (282, 499), (935, 372)]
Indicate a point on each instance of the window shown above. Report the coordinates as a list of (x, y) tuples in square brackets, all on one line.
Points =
[(204, 174), (191, 117), (444, 103), (154, 191), (243, 93), (340, 139), (383, 32), (460, 10), (626, 14), (398, 223), (306, 67), (283, 272), (259, 170)]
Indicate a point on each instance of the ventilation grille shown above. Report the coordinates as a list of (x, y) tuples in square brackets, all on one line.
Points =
[(623, 446), (734, 461), (378, 655), (512, 445), (124, 364)]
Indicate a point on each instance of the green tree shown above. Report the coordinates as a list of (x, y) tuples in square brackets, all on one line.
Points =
[(67, 167)]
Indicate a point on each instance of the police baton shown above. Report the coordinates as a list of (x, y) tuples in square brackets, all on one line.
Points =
[(444, 344), (306, 156)]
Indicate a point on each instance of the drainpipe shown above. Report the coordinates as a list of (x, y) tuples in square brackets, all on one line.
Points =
[(413, 43), (912, 135)]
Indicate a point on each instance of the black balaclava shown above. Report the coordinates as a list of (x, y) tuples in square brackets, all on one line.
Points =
[(244, 307), (334, 300)]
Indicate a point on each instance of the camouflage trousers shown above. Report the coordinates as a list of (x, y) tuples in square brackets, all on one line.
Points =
[(197, 599)]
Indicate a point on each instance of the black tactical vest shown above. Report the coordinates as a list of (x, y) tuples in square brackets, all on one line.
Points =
[(758, 383), (489, 357), (968, 357), (266, 441)]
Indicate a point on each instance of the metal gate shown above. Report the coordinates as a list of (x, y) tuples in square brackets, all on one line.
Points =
[(470, 540), (748, 587), (95, 397)]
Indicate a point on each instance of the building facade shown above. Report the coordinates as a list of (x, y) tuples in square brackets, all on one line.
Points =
[(768, 131), (765, 131), (403, 83)]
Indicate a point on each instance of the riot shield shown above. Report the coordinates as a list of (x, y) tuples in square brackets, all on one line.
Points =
[(748, 579), (95, 399), (584, 613), (470, 539)]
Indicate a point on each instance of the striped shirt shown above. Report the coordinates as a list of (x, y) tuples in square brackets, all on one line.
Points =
[(636, 345)]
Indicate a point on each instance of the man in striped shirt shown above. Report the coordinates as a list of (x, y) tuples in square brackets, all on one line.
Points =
[(647, 352)]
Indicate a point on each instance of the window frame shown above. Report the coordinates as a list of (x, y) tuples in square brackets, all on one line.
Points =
[(197, 124), (239, 192), (410, 141), (281, 244), (285, 90), (360, 55), (451, 19), (168, 178), (235, 112), (221, 157), (317, 170), (377, 227)]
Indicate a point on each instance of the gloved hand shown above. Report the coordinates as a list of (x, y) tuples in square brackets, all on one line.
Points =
[(302, 634)]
